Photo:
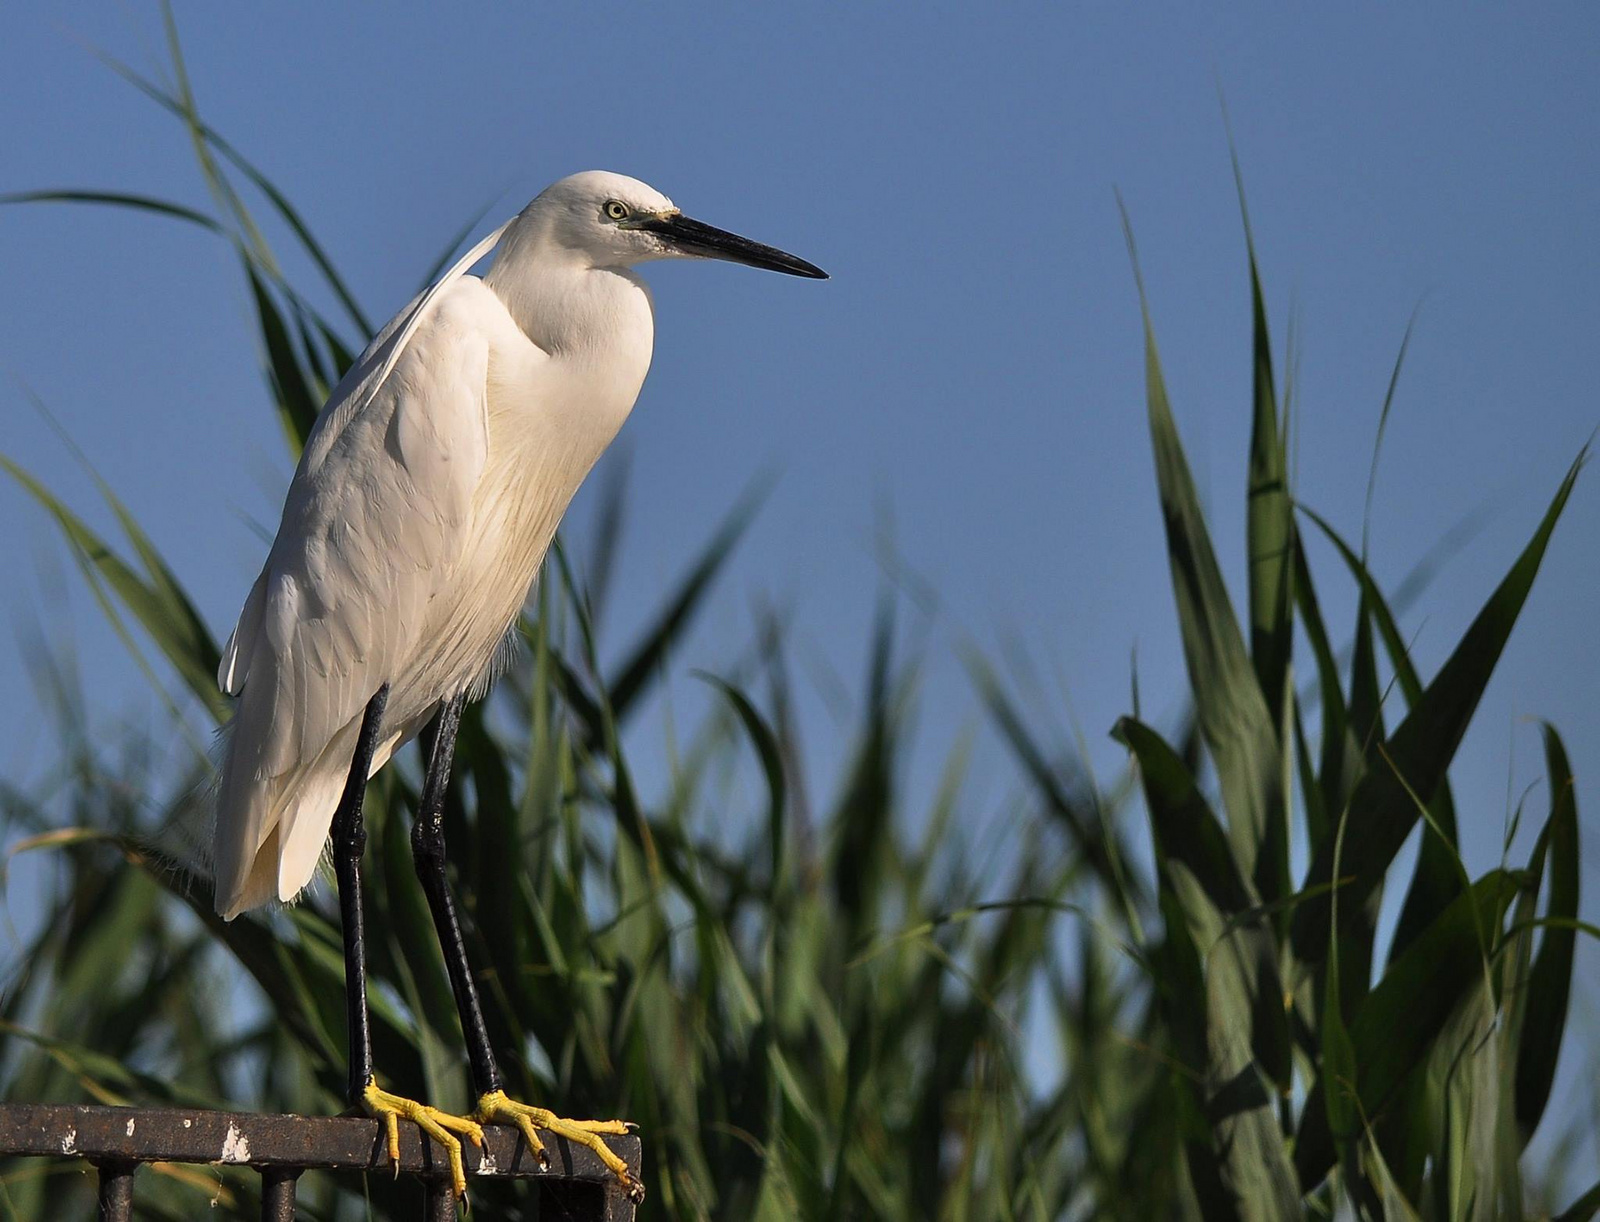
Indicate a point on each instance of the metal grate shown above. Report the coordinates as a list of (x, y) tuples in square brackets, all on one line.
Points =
[(118, 1139)]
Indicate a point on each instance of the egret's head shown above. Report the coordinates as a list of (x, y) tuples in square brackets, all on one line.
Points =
[(619, 221)]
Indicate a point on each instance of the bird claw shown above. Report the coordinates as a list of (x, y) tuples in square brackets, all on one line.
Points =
[(528, 1119), (441, 1126)]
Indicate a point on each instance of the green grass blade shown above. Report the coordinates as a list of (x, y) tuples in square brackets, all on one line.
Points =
[(1383, 426), (297, 405), (343, 358), (1182, 824), (1071, 804), (1398, 1023), (1583, 1209), (157, 605), (254, 258), (1270, 518), (162, 582), (118, 199), (613, 498), (108, 1079), (766, 745), (1338, 1073), (1357, 935), (1550, 980), (1436, 879), (1234, 717), (181, 103), (1325, 795), (1377, 606), (1382, 810), (859, 870), (1238, 1041), (644, 663)]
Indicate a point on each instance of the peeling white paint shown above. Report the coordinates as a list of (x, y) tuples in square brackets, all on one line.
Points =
[(486, 1163), (69, 1143), (235, 1146), (130, 1128)]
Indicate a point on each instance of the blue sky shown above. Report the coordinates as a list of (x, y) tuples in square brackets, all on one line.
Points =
[(975, 364)]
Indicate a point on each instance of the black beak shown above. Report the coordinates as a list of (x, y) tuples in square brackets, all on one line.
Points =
[(709, 242)]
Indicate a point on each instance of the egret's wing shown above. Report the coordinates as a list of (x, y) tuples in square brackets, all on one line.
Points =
[(373, 524), (355, 391), (236, 653)]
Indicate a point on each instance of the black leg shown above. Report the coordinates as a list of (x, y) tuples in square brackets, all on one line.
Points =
[(427, 852), (349, 842)]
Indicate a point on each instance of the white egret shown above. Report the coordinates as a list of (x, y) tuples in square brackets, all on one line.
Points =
[(429, 489)]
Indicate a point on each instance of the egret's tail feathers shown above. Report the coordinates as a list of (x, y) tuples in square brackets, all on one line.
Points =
[(242, 832), (259, 886), (308, 812), (271, 832)]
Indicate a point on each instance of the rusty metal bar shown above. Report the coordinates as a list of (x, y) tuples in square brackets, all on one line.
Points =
[(277, 1193), (338, 1143), (280, 1147), (116, 1191), (438, 1201)]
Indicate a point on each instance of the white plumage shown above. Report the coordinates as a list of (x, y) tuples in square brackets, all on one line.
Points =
[(427, 495), (428, 492)]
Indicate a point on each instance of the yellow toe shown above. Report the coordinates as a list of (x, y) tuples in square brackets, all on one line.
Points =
[(496, 1106), (441, 1126)]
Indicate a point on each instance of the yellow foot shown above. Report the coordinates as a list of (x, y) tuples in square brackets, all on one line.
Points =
[(495, 1106), (441, 1126)]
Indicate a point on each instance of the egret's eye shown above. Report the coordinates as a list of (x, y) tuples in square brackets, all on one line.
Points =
[(616, 210)]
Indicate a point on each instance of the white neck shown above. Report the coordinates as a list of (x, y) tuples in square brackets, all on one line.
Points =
[(596, 322), (559, 297)]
